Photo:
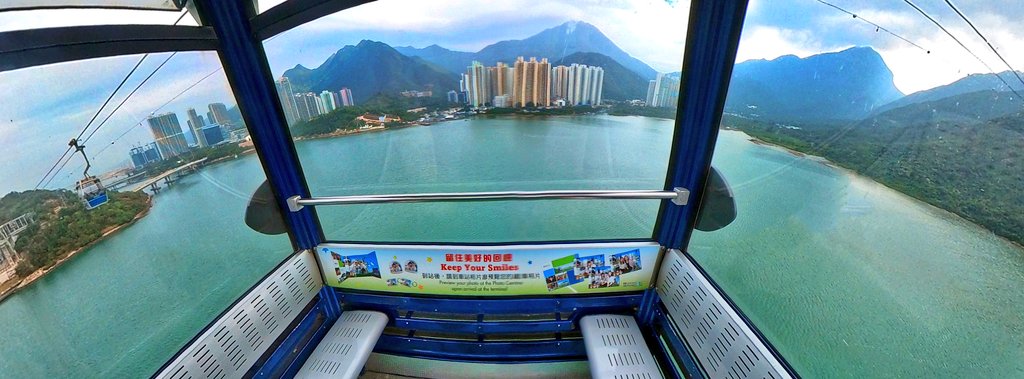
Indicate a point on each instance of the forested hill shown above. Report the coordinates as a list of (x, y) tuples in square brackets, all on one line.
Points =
[(62, 224), (972, 168)]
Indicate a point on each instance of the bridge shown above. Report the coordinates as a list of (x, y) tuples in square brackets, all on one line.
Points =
[(166, 175)]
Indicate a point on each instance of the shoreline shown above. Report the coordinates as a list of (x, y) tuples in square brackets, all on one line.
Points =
[(347, 132), (858, 176), (42, 272)]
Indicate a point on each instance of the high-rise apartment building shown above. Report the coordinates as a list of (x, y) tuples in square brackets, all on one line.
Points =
[(196, 124), (220, 114), (213, 134), (596, 85), (144, 155), (503, 79), (346, 97), (663, 91), (577, 84), (531, 83), (287, 96), (336, 98), (316, 106), (477, 81), (302, 110), (560, 82), (167, 134), (328, 101)]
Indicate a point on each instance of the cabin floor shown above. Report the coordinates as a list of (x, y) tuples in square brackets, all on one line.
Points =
[(383, 366)]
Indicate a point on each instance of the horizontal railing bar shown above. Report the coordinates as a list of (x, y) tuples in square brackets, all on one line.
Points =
[(678, 196)]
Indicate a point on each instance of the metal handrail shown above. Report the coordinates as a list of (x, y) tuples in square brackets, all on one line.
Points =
[(678, 196)]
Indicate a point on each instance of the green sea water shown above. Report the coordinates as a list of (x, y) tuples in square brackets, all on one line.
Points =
[(845, 277)]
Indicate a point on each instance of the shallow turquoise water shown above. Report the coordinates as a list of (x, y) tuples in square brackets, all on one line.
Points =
[(847, 278)]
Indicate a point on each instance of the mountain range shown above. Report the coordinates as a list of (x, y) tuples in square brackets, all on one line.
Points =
[(964, 109), (555, 44), (852, 85), (968, 84), (844, 85), (369, 68)]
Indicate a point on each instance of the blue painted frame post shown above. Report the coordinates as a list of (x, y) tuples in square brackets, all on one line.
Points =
[(248, 72), (712, 38)]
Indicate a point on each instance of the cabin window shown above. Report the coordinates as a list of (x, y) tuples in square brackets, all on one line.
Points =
[(480, 97), (31, 14), (878, 185), (115, 291)]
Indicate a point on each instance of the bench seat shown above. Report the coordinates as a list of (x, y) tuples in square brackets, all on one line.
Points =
[(344, 350), (616, 348)]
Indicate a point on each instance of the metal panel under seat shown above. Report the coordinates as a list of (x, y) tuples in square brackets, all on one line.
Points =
[(344, 350), (616, 348), (233, 344), (721, 341)]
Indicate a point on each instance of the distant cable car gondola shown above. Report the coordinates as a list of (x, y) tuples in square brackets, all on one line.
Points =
[(89, 189)]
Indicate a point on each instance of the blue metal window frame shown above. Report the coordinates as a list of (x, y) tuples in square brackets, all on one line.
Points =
[(711, 44), (248, 72), (712, 40)]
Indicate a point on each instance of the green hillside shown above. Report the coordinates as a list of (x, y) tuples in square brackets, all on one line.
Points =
[(969, 164), (63, 224)]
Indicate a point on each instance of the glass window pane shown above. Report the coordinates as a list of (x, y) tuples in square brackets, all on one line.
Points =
[(139, 4), (264, 5), (467, 96), (878, 181), (115, 291), (51, 18)]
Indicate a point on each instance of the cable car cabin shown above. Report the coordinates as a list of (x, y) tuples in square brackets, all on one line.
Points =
[(349, 203), (91, 191)]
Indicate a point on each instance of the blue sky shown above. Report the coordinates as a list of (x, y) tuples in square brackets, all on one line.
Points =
[(43, 107)]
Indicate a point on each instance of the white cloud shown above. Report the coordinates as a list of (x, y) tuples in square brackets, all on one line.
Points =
[(652, 31), (766, 42)]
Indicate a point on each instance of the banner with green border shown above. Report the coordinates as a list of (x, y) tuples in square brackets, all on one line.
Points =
[(510, 270)]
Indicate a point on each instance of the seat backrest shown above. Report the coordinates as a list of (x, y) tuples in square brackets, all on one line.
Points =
[(230, 346)]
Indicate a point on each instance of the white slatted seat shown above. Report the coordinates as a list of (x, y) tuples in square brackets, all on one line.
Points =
[(616, 348), (344, 350)]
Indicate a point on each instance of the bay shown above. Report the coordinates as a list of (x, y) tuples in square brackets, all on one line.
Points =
[(845, 277)]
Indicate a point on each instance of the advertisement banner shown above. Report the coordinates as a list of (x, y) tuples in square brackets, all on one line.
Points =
[(511, 270)]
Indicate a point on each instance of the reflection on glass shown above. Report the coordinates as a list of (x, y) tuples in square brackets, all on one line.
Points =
[(464, 96), (878, 183), (114, 289)]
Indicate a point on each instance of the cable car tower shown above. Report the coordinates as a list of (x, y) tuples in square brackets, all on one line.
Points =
[(89, 189)]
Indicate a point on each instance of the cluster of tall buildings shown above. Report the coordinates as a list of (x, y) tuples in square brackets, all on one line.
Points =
[(663, 91), (529, 83), (577, 84), (304, 106), (169, 138)]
